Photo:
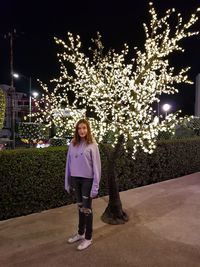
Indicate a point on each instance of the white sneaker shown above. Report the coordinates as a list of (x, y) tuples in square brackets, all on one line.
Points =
[(75, 238), (84, 244)]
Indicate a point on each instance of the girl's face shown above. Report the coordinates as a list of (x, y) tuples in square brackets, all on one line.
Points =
[(82, 130)]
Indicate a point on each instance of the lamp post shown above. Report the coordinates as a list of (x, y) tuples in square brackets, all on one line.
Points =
[(10, 35), (30, 108), (35, 94), (166, 108)]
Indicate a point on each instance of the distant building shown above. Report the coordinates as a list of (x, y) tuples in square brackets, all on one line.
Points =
[(21, 108), (197, 96)]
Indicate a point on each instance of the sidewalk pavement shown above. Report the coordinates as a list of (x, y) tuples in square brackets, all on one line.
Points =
[(163, 231)]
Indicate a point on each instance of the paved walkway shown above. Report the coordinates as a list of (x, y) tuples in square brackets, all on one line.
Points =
[(163, 231)]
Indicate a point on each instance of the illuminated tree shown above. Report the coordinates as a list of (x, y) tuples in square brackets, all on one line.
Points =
[(120, 92), (2, 108), (55, 110), (32, 132)]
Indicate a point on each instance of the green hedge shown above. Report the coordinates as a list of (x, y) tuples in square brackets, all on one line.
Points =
[(32, 180), (171, 159)]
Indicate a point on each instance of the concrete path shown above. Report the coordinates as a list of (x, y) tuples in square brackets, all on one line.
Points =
[(163, 231)]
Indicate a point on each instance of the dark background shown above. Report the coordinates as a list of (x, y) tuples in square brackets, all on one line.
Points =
[(37, 22)]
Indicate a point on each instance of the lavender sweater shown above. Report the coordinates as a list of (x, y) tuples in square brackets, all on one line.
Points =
[(83, 161)]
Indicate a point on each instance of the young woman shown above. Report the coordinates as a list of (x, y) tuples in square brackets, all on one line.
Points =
[(82, 175)]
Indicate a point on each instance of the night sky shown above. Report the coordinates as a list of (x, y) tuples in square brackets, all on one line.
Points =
[(37, 22)]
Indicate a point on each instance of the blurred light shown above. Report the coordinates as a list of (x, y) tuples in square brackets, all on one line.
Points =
[(42, 145), (16, 75), (35, 94), (166, 107)]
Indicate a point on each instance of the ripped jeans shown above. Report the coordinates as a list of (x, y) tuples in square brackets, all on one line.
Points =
[(82, 187)]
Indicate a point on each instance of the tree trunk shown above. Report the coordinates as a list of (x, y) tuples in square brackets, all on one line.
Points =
[(114, 213)]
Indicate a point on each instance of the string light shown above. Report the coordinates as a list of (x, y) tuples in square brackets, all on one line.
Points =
[(120, 92)]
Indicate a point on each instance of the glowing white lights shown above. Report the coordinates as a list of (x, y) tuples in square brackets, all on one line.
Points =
[(16, 75), (35, 94), (118, 91)]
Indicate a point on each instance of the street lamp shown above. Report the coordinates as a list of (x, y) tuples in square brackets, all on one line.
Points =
[(16, 75), (35, 94), (166, 108)]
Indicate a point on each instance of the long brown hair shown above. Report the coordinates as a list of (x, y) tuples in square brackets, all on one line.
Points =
[(88, 139)]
